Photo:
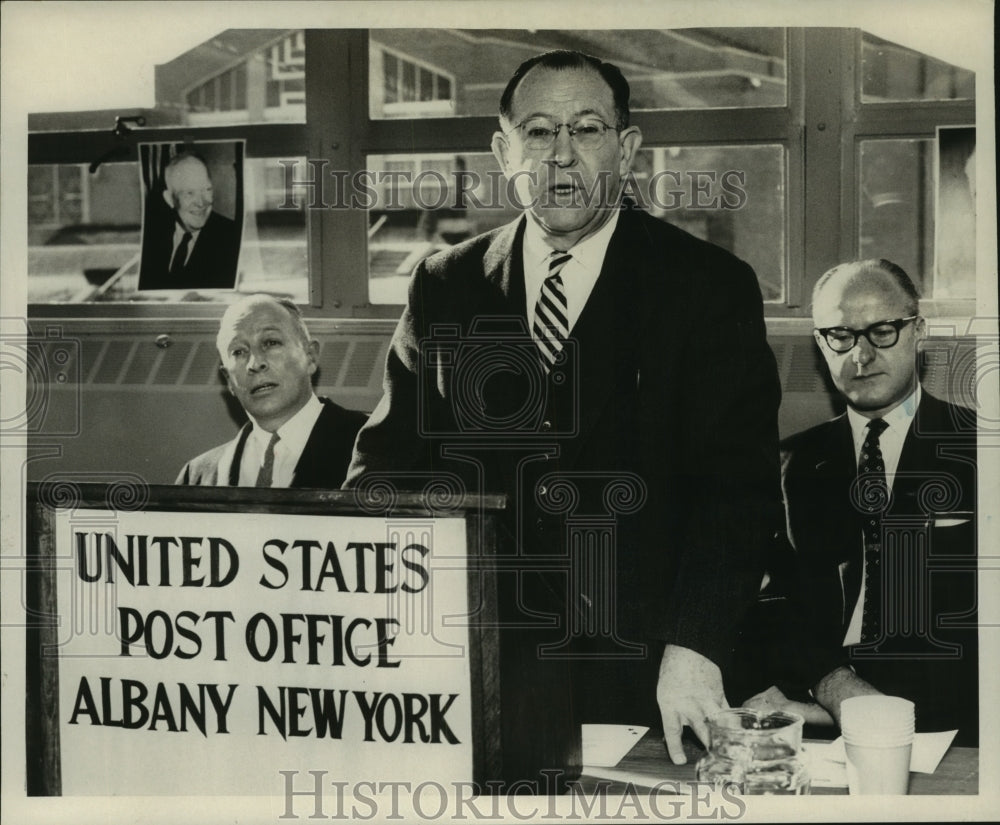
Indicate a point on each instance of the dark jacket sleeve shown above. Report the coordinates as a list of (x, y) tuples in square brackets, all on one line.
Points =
[(390, 441)]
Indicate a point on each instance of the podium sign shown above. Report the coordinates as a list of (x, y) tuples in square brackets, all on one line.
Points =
[(203, 645), (257, 641)]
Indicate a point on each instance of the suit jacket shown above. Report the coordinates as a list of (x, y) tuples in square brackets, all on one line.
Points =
[(657, 434), (211, 264), (929, 650), (323, 462)]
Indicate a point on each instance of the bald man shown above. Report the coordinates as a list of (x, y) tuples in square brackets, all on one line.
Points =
[(292, 438), (199, 248), (880, 508)]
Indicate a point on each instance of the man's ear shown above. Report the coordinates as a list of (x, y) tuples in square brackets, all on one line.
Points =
[(169, 198), (225, 375), (920, 328), (312, 353), (501, 150), (630, 140), (818, 339)]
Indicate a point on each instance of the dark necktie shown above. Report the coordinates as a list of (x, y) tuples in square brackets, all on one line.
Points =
[(266, 474), (551, 328), (180, 256), (874, 499)]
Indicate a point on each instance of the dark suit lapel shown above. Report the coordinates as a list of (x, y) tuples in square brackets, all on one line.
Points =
[(839, 463), (915, 460), (241, 443), (503, 270), (608, 332), (320, 450), (837, 467), (935, 453)]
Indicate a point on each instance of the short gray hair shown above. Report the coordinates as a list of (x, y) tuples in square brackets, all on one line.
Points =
[(298, 322)]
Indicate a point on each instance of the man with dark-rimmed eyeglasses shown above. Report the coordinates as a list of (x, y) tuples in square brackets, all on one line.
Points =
[(880, 508)]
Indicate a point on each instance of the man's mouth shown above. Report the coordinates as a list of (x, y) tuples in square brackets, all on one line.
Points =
[(263, 389), (558, 189)]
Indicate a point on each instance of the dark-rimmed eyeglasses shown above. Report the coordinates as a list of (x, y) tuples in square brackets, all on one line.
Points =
[(881, 334), (539, 133)]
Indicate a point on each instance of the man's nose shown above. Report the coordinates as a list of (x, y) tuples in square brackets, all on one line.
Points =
[(864, 352), (563, 150), (257, 362)]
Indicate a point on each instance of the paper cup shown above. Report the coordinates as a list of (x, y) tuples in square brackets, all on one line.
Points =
[(873, 770), (878, 737)]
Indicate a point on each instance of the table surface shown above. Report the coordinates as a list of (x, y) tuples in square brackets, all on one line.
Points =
[(647, 764)]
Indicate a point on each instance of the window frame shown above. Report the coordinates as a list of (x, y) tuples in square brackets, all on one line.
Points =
[(823, 112)]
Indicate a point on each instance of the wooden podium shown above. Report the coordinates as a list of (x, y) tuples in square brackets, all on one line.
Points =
[(195, 640)]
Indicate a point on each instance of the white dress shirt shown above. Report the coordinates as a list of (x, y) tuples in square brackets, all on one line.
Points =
[(899, 419), (578, 276), (293, 435)]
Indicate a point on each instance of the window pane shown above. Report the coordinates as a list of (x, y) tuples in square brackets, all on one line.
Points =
[(238, 76), (893, 72), (955, 207), (733, 196), (408, 85), (226, 92), (84, 235), (897, 206), (666, 69), (903, 210), (421, 208), (426, 85)]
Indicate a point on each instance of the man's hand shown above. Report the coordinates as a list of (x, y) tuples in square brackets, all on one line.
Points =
[(838, 685), (773, 699), (689, 690)]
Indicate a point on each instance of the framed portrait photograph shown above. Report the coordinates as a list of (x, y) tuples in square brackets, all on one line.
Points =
[(192, 221)]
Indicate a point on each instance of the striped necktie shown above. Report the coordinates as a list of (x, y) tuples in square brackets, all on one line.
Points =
[(874, 491), (551, 327), (266, 474)]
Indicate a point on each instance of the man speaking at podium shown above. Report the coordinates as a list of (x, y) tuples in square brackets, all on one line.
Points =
[(293, 438), (586, 350)]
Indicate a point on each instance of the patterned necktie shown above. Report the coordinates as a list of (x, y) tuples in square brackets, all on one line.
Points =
[(180, 256), (265, 476), (551, 328), (874, 497)]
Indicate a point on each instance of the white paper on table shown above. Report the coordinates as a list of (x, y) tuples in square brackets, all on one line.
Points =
[(826, 768), (826, 760), (605, 745)]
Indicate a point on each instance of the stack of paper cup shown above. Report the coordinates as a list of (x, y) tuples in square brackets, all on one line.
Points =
[(878, 735)]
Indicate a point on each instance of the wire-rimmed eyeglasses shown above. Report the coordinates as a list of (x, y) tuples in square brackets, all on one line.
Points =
[(539, 133), (881, 334)]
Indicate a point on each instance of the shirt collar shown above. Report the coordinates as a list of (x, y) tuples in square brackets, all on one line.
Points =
[(589, 252), (897, 420), (295, 432), (180, 229)]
